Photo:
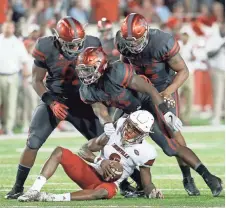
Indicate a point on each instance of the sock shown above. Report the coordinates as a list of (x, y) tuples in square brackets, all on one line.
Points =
[(202, 170), (39, 183), (62, 197), (185, 171), (22, 173), (136, 177)]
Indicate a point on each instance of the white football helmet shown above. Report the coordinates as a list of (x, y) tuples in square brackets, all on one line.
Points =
[(137, 126)]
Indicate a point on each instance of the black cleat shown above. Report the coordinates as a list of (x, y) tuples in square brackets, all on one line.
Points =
[(125, 188), (190, 187), (135, 194), (215, 185), (15, 192)]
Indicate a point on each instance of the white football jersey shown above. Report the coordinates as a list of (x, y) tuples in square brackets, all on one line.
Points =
[(129, 156)]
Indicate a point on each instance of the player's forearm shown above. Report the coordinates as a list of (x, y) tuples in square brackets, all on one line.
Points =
[(178, 81), (178, 65), (148, 189), (101, 112), (138, 84), (86, 154), (39, 87)]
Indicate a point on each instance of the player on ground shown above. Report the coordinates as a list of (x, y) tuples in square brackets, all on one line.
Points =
[(115, 84), (60, 100), (126, 145), (155, 54)]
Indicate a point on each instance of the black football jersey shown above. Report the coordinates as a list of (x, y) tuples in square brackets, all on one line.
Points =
[(112, 90), (108, 47), (61, 77), (152, 61)]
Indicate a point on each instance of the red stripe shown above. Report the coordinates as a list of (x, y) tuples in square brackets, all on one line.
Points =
[(150, 162), (34, 54), (172, 52), (126, 75), (39, 52), (130, 76)]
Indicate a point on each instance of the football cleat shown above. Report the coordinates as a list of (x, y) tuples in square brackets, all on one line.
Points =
[(29, 196), (190, 187), (134, 194), (15, 192), (46, 197), (215, 185), (126, 188)]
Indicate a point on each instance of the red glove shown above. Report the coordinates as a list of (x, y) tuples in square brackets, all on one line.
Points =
[(59, 110)]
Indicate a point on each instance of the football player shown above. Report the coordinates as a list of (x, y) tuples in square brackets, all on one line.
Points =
[(115, 84), (107, 40), (126, 145), (155, 54), (55, 56)]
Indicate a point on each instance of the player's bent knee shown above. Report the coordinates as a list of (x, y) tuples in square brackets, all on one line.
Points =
[(34, 142), (57, 153), (110, 190), (170, 152)]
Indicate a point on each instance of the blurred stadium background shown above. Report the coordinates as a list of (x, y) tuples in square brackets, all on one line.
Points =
[(198, 26), (195, 23)]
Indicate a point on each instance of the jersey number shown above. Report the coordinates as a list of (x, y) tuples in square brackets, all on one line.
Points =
[(115, 157)]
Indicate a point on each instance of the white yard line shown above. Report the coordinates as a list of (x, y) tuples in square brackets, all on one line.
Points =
[(189, 129)]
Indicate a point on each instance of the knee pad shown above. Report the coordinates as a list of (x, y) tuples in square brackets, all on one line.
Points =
[(34, 142)]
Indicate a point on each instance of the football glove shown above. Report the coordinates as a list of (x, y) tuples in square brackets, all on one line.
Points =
[(173, 121), (109, 129), (59, 110)]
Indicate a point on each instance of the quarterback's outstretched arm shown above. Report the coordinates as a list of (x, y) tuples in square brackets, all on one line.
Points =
[(149, 188)]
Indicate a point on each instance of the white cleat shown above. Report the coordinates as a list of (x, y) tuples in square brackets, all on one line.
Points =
[(46, 197), (29, 196)]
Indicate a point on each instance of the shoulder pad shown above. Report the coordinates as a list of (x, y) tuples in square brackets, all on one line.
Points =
[(85, 95), (146, 154), (92, 41), (164, 44), (43, 48), (120, 73)]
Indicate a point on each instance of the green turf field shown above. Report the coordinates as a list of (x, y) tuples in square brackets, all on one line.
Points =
[(166, 174)]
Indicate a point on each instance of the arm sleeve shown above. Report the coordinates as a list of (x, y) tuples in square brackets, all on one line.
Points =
[(85, 95), (147, 155), (168, 48), (39, 52), (121, 74)]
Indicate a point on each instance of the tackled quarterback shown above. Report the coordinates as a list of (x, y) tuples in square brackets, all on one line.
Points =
[(127, 146)]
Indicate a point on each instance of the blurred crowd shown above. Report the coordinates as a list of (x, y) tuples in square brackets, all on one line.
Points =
[(197, 24)]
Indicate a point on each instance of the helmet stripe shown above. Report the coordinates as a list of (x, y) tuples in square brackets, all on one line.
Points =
[(72, 24), (129, 25)]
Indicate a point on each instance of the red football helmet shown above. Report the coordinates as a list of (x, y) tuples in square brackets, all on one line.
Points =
[(105, 28), (71, 35), (134, 30), (91, 64)]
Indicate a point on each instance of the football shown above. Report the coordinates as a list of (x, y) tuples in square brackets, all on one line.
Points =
[(117, 168)]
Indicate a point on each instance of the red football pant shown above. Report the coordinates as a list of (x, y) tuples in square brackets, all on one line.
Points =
[(83, 174)]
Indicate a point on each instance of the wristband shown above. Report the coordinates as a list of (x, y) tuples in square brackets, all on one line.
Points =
[(163, 108), (47, 98), (98, 160)]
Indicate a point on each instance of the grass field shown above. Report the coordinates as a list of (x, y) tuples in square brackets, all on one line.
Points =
[(166, 174)]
